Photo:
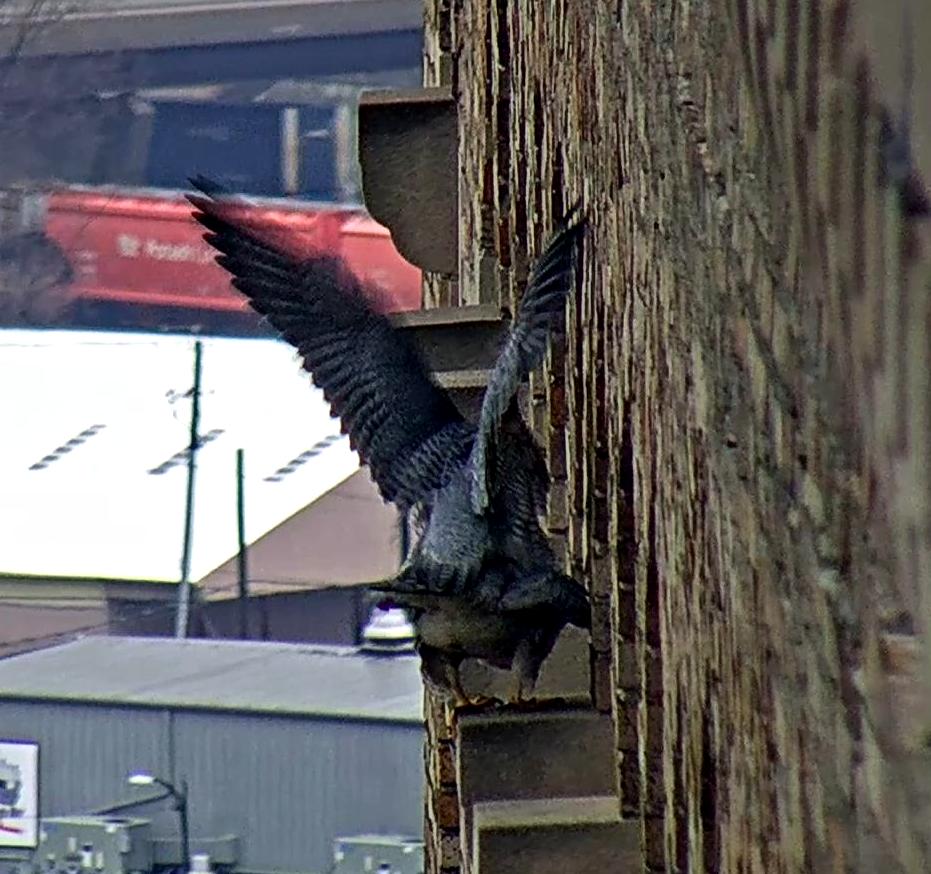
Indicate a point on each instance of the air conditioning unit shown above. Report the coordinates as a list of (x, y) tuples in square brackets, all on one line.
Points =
[(94, 845), (378, 854)]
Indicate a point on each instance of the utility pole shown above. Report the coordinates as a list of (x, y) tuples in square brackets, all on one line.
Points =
[(241, 530), (181, 806), (184, 588)]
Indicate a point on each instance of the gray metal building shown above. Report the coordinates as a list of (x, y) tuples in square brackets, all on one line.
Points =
[(283, 746)]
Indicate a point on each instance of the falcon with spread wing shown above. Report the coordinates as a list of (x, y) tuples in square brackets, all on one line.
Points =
[(481, 579)]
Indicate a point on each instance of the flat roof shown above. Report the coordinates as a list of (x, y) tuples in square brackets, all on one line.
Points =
[(232, 676), (95, 472)]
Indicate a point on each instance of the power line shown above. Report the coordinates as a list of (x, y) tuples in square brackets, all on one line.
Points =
[(80, 601), (84, 629), (133, 613)]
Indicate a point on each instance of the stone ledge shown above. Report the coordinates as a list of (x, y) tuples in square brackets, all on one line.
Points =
[(554, 836), (456, 338), (460, 346), (408, 155), (509, 756)]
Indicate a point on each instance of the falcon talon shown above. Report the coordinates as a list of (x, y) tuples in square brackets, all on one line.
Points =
[(478, 702)]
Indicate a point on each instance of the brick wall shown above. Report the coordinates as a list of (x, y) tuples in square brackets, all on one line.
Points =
[(738, 424)]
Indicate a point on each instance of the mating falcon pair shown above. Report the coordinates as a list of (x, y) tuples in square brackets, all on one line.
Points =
[(481, 579)]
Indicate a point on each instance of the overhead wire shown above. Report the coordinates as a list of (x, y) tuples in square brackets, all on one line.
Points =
[(79, 601), (134, 612), (80, 630)]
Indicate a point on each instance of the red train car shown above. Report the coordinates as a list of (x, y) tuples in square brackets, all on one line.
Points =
[(145, 248)]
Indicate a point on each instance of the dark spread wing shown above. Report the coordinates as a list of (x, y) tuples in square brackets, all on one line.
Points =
[(521, 487), (525, 347), (402, 425)]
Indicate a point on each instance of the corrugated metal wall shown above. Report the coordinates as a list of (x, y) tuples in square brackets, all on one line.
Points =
[(86, 752), (287, 786)]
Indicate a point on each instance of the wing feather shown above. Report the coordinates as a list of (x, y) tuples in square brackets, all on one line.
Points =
[(371, 374), (541, 306)]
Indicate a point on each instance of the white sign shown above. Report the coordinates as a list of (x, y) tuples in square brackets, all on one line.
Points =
[(19, 793)]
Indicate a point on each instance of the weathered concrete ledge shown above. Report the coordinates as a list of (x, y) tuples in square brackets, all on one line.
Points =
[(554, 836)]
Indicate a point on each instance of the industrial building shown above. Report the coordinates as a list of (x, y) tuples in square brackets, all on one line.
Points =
[(282, 748), (98, 469)]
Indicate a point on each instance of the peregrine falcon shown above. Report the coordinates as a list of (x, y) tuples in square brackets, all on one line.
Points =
[(481, 579)]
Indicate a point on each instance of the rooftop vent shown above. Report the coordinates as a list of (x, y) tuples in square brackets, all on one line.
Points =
[(302, 459), (388, 631), (67, 447), (181, 457)]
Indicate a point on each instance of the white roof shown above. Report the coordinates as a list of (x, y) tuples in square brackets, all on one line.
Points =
[(110, 505)]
